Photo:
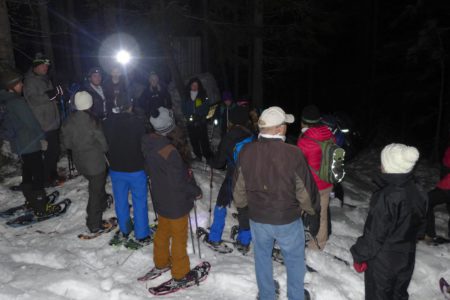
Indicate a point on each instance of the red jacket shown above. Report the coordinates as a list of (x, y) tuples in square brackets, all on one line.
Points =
[(444, 183), (312, 151)]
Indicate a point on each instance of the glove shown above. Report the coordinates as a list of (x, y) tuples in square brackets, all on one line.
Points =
[(44, 145), (360, 267), (57, 91)]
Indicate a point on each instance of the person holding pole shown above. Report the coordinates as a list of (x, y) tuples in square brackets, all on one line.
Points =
[(173, 189)]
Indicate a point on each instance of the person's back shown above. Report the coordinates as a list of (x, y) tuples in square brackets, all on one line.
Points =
[(273, 180), (386, 250), (123, 133)]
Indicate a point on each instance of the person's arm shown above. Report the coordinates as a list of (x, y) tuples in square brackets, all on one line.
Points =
[(378, 223), (180, 176)]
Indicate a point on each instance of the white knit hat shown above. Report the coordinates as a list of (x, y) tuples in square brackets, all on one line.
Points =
[(83, 100), (164, 123), (398, 158), (274, 116)]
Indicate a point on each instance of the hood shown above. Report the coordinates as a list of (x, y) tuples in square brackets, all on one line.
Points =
[(154, 142), (394, 179), (320, 133), (6, 96)]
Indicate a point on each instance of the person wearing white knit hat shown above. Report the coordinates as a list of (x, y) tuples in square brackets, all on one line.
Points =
[(82, 133), (397, 215), (398, 158), (83, 101)]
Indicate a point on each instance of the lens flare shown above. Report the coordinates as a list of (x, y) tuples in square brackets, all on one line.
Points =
[(123, 57)]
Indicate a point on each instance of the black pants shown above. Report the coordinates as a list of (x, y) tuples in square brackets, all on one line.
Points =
[(198, 135), (97, 200), (388, 275), (51, 156), (436, 197), (33, 170)]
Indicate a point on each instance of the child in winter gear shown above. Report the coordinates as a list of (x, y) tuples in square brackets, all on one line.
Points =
[(439, 195), (173, 192), (123, 132), (313, 130), (25, 136), (239, 119), (396, 218), (82, 133)]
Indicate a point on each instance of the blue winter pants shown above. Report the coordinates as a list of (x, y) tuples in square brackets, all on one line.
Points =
[(215, 233), (291, 239), (136, 183)]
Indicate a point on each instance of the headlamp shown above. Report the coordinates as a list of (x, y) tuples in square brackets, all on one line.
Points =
[(123, 57)]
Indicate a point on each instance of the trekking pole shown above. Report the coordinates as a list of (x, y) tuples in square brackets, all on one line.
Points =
[(151, 198), (192, 233), (210, 196), (196, 227)]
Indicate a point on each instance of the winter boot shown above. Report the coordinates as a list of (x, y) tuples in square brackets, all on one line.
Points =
[(118, 239), (38, 201)]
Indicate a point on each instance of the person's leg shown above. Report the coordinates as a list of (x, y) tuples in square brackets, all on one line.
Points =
[(204, 140), (194, 139), (140, 209), (215, 233), (27, 173), (263, 239), (161, 243), (291, 239), (180, 258), (120, 187), (322, 235), (96, 201), (404, 276), (37, 170), (51, 156), (435, 197), (244, 236)]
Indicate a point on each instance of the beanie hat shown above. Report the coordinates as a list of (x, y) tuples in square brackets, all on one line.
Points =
[(164, 122), (310, 114), (226, 95), (239, 115), (94, 70), (83, 100), (40, 59), (398, 158), (274, 116), (9, 78)]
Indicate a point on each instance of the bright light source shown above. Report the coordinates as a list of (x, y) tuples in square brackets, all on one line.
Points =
[(345, 130), (123, 57)]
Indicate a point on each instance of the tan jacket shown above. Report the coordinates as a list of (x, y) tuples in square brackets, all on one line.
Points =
[(274, 180)]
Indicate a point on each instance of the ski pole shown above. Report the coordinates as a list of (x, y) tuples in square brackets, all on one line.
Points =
[(196, 227), (151, 198), (210, 196), (192, 233)]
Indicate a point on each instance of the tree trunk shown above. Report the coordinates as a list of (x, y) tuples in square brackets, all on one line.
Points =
[(46, 33), (257, 82), (6, 46), (76, 61), (205, 40)]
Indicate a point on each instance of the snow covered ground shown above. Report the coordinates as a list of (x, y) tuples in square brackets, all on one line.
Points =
[(48, 261)]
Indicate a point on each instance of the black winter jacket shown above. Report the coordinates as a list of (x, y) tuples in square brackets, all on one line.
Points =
[(397, 215), (123, 133), (152, 99), (224, 156), (173, 190)]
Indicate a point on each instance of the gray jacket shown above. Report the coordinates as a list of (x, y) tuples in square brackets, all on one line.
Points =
[(45, 111), (82, 133)]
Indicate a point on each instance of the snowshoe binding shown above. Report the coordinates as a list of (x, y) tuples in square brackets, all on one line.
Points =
[(445, 288), (133, 244), (107, 226), (220, 247), (119, 239)]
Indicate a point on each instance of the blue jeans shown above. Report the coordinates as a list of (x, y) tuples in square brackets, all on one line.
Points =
[(122, 184), (291, 239)]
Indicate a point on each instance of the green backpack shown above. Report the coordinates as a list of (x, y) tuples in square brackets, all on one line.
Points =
[(332, 164)]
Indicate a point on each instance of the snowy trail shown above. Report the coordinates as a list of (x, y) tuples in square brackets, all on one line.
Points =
[(48, 261)]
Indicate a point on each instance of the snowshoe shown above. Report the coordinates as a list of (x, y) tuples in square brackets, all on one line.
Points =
[(438, 240), (277, 255), (220, 247), (153, 273), (244, 249), (277, 290), (138, 244), (194, 277), (107, 226), (118, 239), (234, 232), (445, 288), (109, 201), (30, 218), (24, 208)]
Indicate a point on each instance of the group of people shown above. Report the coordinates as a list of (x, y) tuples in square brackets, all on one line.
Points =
[(274, 185)]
